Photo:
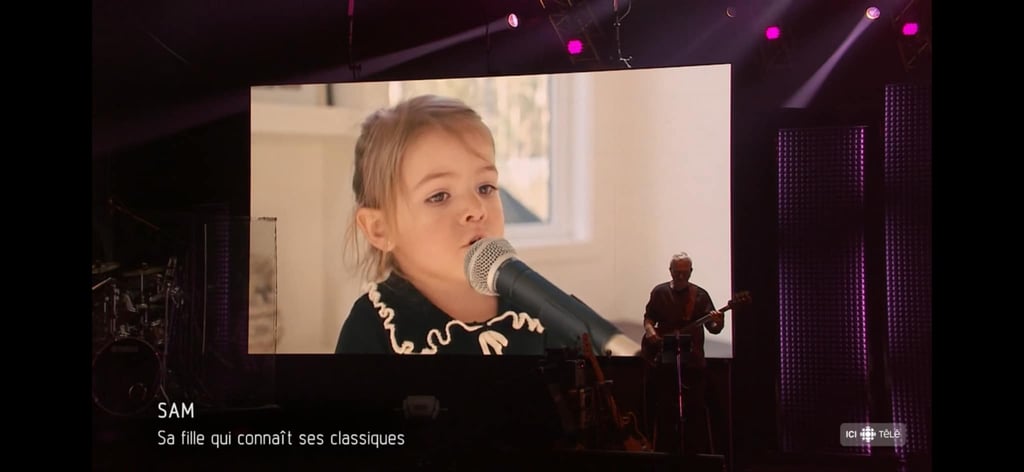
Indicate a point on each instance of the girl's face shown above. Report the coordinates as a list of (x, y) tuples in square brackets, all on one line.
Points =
[(447, 199)]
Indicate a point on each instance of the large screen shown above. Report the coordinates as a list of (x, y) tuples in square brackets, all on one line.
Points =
[(604, 176)]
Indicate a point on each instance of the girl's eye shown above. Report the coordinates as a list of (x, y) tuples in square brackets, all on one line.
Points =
[(487, 189), (438, 197)]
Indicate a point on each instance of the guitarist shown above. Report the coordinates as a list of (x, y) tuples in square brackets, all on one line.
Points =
[(673, 305)]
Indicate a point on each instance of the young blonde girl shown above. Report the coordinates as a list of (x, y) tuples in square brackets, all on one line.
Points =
[(426, 188)]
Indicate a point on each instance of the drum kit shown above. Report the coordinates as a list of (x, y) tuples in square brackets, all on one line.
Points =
[(131, 312)]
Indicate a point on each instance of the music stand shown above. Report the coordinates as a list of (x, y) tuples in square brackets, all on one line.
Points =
[(673, 346)]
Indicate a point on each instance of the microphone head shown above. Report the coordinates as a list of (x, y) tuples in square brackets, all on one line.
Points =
[(482, 262)]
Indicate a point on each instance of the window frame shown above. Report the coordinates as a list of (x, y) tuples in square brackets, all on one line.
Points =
[(569, 177)]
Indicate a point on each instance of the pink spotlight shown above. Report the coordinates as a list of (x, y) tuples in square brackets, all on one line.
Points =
[(873, 13), (574, 46), (513, 21), (772, 32), (909, 29)]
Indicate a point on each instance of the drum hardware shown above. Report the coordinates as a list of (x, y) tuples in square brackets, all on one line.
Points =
[(100, 268), (134, 309), (129, 306), (101, 284), (144, 271), (126, 376), (132, 316), (106, 298)]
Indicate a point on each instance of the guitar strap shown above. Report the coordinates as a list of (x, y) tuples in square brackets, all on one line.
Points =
[(690, 303)]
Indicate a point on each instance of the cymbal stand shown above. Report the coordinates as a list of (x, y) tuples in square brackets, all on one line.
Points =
[(172, 294), (113, 310), (166, 336), (109, 304), (143, 301)]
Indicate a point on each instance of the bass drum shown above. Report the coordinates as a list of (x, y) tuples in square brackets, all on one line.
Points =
[(125, 376)]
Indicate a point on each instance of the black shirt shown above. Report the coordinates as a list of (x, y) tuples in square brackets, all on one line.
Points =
[(394, 317)]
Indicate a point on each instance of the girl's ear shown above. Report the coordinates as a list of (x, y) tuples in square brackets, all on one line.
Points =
[(372, 223)]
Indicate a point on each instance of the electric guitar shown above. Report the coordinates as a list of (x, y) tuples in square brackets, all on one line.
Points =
[(651, 348), (628, 440)]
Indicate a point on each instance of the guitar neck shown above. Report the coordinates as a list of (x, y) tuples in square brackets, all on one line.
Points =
[(618, 421), (701, 320), (600, 380), (588, 354)]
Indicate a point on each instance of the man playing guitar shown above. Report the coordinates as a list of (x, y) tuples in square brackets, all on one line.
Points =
[(672, 306)]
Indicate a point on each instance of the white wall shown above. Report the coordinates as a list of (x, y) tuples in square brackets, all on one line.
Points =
[(301, 174), (660, 170)]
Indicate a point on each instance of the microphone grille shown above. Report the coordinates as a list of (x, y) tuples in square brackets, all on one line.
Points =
[(482, 262)]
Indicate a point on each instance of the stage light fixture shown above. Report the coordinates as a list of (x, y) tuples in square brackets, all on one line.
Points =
[(730, 12), (574, 46), (579, 31), (513, 21), (873, 13), (913, 27), (772, 33)]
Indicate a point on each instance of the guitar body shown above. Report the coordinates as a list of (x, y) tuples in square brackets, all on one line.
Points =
[(633, 444), (650, 348)]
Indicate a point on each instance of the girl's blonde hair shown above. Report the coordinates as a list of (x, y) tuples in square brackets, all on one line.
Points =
[(379, 151)]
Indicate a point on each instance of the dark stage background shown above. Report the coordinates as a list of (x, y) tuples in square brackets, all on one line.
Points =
[(831, 217)]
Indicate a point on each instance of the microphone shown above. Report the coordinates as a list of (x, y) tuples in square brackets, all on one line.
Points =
[(492, 268)]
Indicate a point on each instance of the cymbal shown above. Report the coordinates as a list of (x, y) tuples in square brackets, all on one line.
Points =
[(143, 271), (104, 267)]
